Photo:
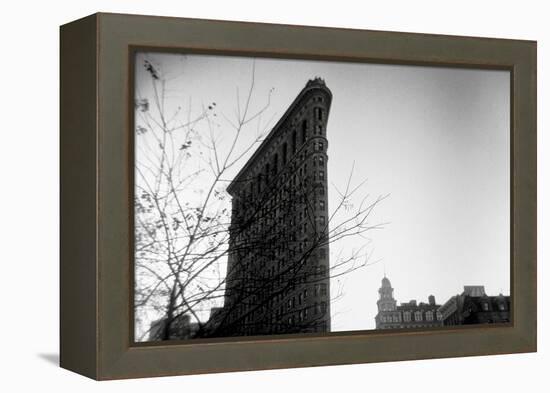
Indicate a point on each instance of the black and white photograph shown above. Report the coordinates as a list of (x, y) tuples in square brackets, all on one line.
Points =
[(284, 196), (275, 197)]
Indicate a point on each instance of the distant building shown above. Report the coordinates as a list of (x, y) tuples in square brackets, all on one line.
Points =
[(474, 306), (278, 259), (181, 328), (212, 324), (406, 315)]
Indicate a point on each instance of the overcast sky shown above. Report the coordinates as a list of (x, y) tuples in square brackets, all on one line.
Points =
[(435, 139)]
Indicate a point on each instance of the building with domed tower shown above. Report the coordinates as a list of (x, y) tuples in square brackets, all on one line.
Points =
[(278, 258), (405, 315)]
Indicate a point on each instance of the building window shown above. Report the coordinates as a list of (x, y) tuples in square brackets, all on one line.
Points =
[(322, 220), (439, 316), (418, 316), (292, 284), (318, 113), (322, 253), (321, 270), (321, 175), (275, 163), (319, 146), (429, 316), (319, 129), (321, 161), (321, 205), (304, 131), (320, 289), (293, 141), (485, 306), (285, 153)]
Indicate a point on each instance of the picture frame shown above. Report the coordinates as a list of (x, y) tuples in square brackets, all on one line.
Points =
[(96, 269)]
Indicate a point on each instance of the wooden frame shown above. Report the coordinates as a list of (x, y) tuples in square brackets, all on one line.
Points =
[(96, 161)]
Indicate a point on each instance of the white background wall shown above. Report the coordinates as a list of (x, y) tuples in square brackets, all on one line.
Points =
[(29, 193)]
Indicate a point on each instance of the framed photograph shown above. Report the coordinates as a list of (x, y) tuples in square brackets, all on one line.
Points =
[(242, 196)]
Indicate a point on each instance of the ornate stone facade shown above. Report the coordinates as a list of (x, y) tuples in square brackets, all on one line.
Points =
[(474, 306), (278, 264), (406, 315)]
